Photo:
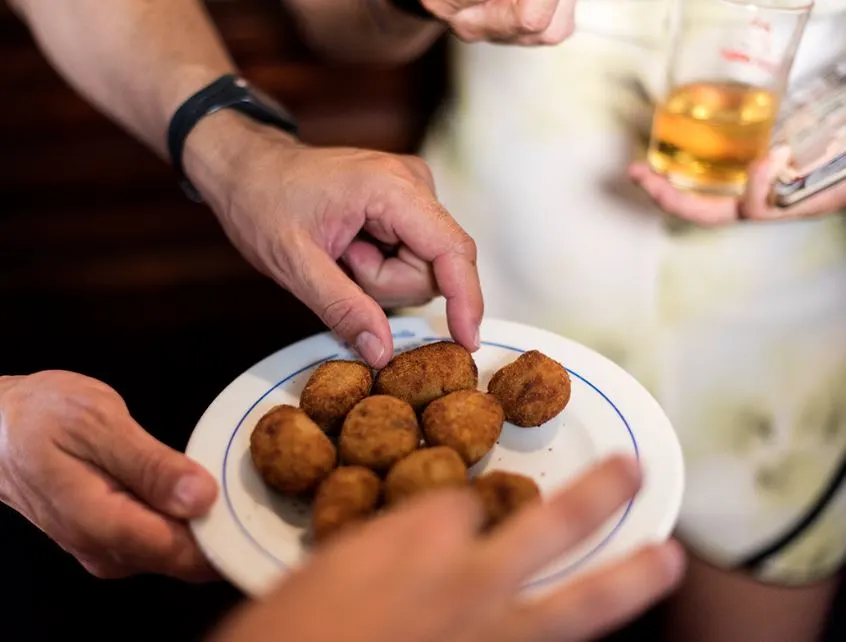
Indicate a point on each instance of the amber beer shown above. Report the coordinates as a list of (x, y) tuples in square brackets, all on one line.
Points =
[(706, 134)]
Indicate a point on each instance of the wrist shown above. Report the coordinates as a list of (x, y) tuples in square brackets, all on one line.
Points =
[(180, 85), (219, 149)]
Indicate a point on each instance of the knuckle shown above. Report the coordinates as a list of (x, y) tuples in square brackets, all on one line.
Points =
[(530, 18), (77, 540), (381, 228), (80, 410), (63, 379), (420, 167), (339, 314), (466, 247), (56, 376), (79, 399), (156, 474), (467, 34), (557, 35), (395, 166), (399, 180), (752, 212), (87, 418), (117, 538), (119, 535)]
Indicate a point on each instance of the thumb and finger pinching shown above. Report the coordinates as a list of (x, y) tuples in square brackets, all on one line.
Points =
[(343, 306)]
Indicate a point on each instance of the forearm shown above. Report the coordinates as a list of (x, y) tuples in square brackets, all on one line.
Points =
[(136, 60), (364, 30)]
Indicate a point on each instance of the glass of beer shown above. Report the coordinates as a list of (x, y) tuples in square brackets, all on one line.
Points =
[(729, 62)]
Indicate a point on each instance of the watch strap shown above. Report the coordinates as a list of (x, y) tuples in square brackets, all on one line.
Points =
[(203, 103), (227, 92)]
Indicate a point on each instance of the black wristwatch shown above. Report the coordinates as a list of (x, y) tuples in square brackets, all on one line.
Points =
[(227, 92), (414, 7)]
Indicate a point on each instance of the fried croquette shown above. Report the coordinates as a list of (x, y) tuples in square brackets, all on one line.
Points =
[(332, 391), (424, 470), (379, 431), (424, 374), (291, 453), (502, 494), (349, 495), (532, 390), (468, 421)]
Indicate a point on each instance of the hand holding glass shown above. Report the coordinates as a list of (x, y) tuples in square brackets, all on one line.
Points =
[(728, 67)]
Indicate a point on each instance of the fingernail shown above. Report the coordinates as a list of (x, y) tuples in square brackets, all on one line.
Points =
[(369, 347), (477, 340), (193, 493)]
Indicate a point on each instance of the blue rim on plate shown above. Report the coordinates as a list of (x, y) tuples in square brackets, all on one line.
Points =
[(553, 577)]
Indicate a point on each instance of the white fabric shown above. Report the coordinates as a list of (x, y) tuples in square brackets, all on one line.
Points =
[(740, 332)]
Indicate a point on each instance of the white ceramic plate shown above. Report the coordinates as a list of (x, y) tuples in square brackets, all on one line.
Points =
[(254, 536)]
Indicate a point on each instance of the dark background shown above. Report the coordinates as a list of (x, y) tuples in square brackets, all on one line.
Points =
[(106, 269)]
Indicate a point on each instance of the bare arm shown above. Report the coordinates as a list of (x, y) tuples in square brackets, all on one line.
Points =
[(136, 60), (67, 441), (293, 211), (364, 30)]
